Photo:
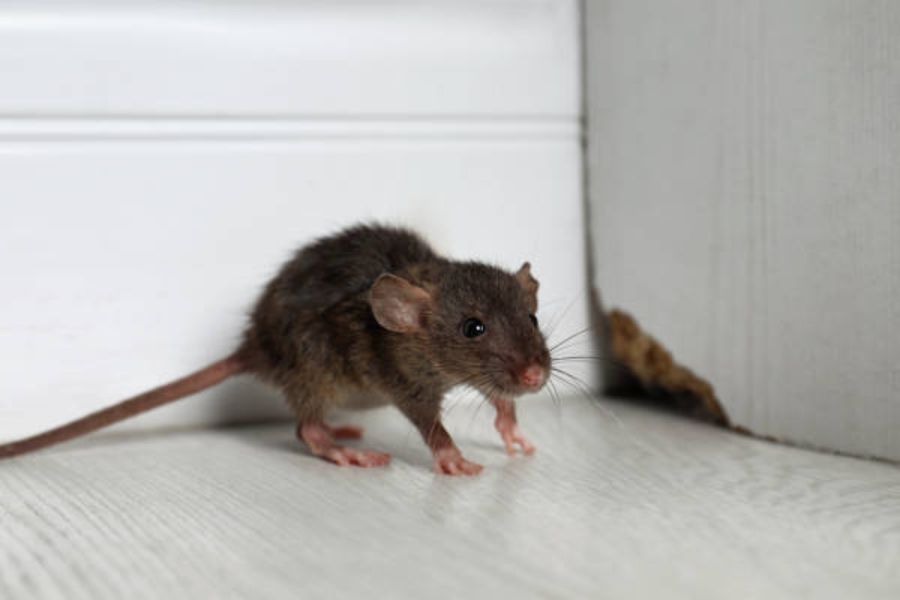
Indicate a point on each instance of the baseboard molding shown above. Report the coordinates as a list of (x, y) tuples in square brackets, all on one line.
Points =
[(280, 128)]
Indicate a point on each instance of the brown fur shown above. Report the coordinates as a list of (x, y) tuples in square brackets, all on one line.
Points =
[(313, 334)]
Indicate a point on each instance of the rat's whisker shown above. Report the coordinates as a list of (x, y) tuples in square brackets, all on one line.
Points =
[(590, 359), (570, 338), (580, 386), (577, 382), (581, 345), (484, 400), (554, 393), (560, 316)]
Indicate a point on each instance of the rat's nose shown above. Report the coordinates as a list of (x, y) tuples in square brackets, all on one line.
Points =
[(532, 376)]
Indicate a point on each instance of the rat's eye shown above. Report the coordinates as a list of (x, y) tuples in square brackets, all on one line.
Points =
[(533, 320), (472, 328)]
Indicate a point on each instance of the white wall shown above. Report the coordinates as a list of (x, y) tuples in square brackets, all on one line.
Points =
[(158, 161), (745, 183)]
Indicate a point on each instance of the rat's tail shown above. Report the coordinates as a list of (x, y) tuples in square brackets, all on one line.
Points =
[(190, 384)]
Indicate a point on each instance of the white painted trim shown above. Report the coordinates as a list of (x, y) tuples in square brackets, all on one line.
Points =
[(148, 129), (160, 158), (265, 57)]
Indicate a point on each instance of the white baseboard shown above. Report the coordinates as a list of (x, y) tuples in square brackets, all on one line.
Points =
[(148, 194)]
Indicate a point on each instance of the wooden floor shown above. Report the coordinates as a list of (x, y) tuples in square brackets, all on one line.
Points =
[(619, 502)]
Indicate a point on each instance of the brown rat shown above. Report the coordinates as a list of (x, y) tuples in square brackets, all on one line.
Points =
[(369, 316)]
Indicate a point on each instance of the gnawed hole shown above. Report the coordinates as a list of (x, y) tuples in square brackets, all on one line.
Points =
[(642, 368)]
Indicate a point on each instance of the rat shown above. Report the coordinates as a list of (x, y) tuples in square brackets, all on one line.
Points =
[(371, 316)]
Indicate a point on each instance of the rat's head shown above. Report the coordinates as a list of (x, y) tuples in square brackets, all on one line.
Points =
[(477, 323)]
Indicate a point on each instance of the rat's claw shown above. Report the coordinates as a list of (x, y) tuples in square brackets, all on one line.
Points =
[(511, 438), (512, 435), (449, 461)]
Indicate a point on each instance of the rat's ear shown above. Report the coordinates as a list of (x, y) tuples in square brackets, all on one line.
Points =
[(529, 284), (397, 304)]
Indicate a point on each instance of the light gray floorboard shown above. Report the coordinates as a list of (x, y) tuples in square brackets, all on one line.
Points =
[(619, 502)]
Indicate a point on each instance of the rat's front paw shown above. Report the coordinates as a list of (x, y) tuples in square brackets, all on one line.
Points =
[(449, 461), (512, 435)]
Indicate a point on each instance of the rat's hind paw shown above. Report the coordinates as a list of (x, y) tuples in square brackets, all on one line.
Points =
[(449, 461), (320, 440), (360, 458)]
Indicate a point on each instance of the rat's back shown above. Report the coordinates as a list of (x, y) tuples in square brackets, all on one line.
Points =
[(330, 271), (334, 268)]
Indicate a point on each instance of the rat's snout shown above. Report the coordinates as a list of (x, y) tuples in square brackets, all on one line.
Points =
[(532, 376)]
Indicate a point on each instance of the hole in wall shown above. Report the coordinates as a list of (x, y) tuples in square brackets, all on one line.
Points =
[(641, 368)]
